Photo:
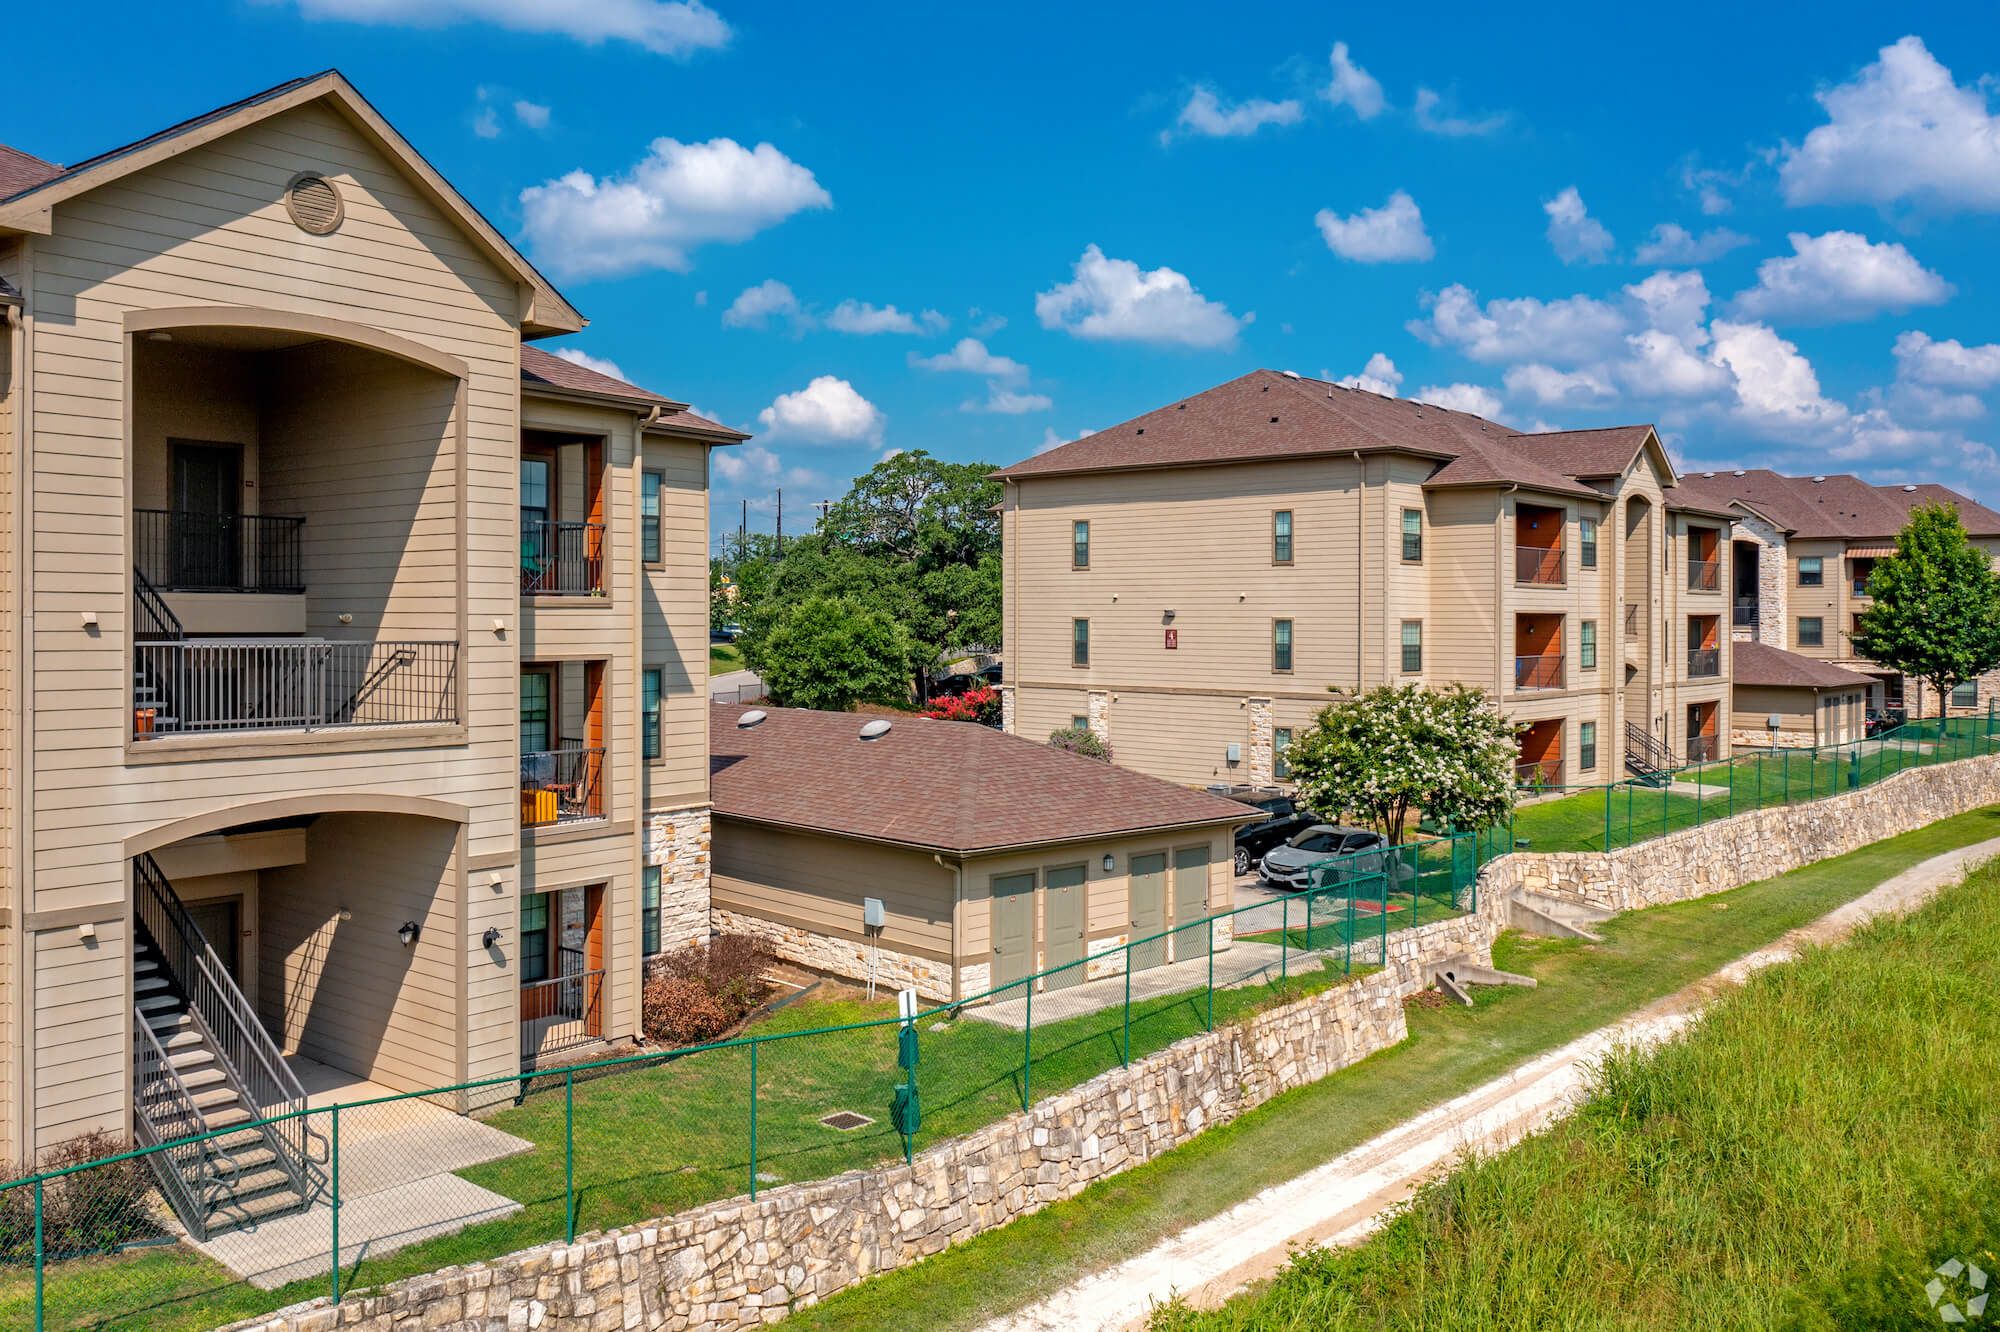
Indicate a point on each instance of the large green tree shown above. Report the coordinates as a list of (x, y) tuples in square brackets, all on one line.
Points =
[(831, 653), (1378, 755), (1936, 611)]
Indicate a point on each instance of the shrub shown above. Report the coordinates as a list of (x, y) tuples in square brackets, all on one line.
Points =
[(1081, 740), (87, 1212), (696, 992), (981, 704)]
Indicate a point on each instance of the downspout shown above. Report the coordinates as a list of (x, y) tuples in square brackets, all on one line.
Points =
[(20, 320), (641, 815), (1360, 572)]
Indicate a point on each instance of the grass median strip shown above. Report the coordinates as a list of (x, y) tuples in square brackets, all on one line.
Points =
[(1809, 1155), (1645, 955)]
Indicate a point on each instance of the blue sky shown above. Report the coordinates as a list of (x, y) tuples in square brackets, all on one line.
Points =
[(1774, 238)]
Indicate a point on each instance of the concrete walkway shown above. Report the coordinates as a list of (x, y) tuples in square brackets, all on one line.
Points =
[(396, 1183), (1345, 1200), (1237, 964)]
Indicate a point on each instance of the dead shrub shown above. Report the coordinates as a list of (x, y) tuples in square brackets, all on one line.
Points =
[(89, 1211), (698, 991)]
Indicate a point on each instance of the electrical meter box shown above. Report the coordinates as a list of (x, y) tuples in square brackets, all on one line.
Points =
[(872, 914)]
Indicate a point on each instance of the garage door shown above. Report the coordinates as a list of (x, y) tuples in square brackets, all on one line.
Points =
[(1013, 928), (1149, 909)]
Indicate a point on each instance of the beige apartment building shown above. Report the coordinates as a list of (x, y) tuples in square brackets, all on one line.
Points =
[(1190, 583), (352, 651), (1803, 549)]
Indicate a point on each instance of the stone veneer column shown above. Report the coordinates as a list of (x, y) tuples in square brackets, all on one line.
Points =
[(1262, 766), (1100, 715), (678, 842), (1007, 706)]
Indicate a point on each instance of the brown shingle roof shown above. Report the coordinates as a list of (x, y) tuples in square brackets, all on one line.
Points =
[(23, 171), (540, 367), (1977, 518), (1269, 415), (1836, 506), (942, 786), (1758, 664)]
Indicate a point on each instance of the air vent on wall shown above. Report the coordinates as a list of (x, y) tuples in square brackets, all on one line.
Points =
[(314, 203)]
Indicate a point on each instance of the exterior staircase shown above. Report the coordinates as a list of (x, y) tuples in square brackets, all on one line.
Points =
[(1646, 758), (208, 1080)]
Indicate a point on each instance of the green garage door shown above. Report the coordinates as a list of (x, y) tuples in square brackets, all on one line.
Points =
[(1190, 901), (1148, 879), (1062, 925), (1013, 928)]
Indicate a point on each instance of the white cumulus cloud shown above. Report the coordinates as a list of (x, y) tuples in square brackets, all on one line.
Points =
[(1113, 299), (852, 316), (1393, 233), (1577, 237), (589, 362), (1205, 113), (1776, 387), (679, 196), (1007, 402), (667, 27), (1461, 398), (971, 357), (1839, 276), (1672, 243), (1902, 130), (1454, 127), (1922, 359), (1352, 85), (532, 114), (1380, 375), (1566, 331), (826, 411), (1051, 440), (1551, 387), (757, 305), (1664, 366)]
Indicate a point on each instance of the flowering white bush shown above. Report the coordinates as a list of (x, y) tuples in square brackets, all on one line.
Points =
[(1376, 756)]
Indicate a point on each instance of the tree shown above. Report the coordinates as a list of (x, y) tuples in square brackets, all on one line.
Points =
[(833, 652), (1081, 740), (1937, 605), (1378, 755)]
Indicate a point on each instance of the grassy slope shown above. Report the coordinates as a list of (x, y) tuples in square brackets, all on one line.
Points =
[(1645, 955), (724, 657), (1806, 1157)]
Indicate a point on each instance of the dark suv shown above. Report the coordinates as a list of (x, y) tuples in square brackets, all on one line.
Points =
[(1282, 820)]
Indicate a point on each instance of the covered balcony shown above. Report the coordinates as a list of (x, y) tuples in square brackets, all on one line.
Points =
[(1538, 652), (562, 743), (562, 515), (1704, 559), (1704, 646), (294, 528), (1702, 742), (1538, 545), (1541, 761)]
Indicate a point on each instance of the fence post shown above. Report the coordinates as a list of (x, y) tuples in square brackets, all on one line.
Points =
[(1128, 1005), (1028, 1032), (1608, 789), (569, 1155), (1285, 938), (333, 1151), (1699, 768), (41, 1256), (1211, 973), (754, 1043), (1348, 933)]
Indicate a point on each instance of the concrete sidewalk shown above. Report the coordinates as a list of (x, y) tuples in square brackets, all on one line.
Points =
[(1238, 964)]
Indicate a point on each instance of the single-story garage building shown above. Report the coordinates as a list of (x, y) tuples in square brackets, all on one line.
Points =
[(1781, 700), (992, 857)]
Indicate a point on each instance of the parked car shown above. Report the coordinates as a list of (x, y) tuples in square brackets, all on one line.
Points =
[(1885, 719), (1282, 819), (728, 633), (1288, 868)]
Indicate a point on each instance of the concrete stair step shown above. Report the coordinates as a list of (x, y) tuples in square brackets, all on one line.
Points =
[(199, 1079), (191, 1055), (216, 1100)]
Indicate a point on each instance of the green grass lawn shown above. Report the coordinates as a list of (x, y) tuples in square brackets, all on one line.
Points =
[(1807, 1157), (724, 657), (1646, 955), (657, 1138)]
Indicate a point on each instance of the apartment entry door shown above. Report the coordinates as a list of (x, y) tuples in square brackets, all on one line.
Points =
[(207, 497), (1063, 925), (1148, 879), (221, 923), (1013, 928), (1190, 902)]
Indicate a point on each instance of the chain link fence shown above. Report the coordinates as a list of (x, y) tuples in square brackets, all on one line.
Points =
[(405, 1184)]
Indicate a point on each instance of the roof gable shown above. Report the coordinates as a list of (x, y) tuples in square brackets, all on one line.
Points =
[(28, 207)]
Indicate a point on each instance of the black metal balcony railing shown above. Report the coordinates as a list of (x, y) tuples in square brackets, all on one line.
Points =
[(1544, 671), (1743, 613), (1539, 564), (180, 551), (561, 786), (1541, 772), (1631, 619), (1703, 662), (209, 685), (1704, 575), (1861, 587), (562, 559), (1701, 748), (561, 1014)]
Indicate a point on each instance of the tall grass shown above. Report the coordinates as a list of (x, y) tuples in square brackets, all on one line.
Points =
[(1803, 1157)]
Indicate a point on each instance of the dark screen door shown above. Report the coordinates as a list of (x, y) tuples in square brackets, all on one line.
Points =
[(207, 488)]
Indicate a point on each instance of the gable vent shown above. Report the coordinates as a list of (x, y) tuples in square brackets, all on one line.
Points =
[(314, 203)]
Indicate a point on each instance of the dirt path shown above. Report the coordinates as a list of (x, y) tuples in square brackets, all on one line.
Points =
[(1344, 1200)]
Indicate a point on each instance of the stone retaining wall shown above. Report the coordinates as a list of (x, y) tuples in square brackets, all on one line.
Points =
[(740, 1264), (1744, 848)]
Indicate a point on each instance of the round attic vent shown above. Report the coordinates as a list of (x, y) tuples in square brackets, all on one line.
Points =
[(876, 729), (750, 718), (1909, 490), (313, 202)]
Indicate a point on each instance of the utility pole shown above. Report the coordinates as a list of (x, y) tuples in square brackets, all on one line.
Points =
[(743, 534), (781, 522), (823, 506)]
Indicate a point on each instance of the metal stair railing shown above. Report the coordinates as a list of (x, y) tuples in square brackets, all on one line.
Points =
[(192, 1169), (1645, 757), (244, 1050)]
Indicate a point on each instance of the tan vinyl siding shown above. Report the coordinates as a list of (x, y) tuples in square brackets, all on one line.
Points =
[(816, 882), (1180, 736), (676, 624)]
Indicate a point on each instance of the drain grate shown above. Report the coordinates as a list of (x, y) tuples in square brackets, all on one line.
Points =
[(845, 1119)]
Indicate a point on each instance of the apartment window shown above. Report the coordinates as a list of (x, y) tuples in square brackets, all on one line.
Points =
[(649, 911), (1965, 695), (1281, 537), (1413, 646), (649, 720), (1587, 646), (1079, 642), (1079, 723), (1811, 572), (1811, 633), (1413, 536), (1281, 645), (1586, 746), (537, 475), (650, 486), (1281, 740), (534, 938), (1586, 536), (1079, 544), (535, 712)]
